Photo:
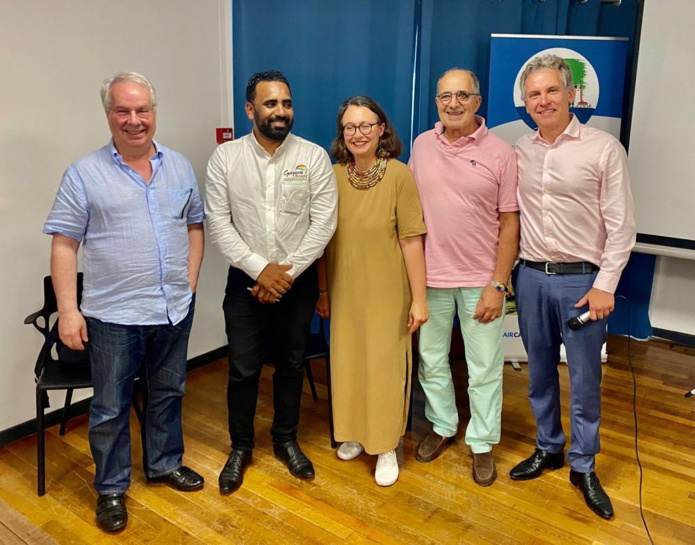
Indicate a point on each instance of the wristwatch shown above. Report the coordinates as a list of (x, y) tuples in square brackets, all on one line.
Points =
[(499, 286)]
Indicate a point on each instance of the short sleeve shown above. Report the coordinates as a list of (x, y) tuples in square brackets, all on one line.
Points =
[(409, 221), (69, 215)]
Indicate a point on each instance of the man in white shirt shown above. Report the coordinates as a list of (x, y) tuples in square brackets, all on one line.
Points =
[(271, 203)]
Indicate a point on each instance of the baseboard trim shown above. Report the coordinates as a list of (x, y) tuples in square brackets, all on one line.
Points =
[(674, 336), (52, 418)]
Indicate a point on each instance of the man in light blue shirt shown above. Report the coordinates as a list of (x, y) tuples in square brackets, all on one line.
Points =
[(135, 207)]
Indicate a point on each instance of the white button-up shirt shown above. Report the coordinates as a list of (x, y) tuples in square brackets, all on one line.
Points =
[(270, 209), (575, 201)]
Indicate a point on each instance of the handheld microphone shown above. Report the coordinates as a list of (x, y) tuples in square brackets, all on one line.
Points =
[(578, 321), (691, 393)]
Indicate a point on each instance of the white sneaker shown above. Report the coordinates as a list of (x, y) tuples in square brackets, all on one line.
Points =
[(386, 469), (350, 450)]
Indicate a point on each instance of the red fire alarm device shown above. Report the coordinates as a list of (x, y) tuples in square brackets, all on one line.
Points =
[(225, 135)]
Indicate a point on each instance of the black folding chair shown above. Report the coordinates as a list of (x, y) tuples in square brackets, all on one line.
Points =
[(57, 368)]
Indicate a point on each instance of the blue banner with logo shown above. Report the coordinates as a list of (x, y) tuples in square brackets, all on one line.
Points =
[(598, 69)]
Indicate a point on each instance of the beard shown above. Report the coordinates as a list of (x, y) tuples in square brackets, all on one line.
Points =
[(274, 133)]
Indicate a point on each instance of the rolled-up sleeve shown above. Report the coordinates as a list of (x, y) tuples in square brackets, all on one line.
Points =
[(69, 215)]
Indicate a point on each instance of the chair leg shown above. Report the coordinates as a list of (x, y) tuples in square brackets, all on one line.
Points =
[(40, 445), (66, 411), (330, 400), (310, 378), (136, 404)]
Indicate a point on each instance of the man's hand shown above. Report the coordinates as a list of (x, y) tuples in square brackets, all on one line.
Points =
[(72, 329), (489, 305), (418, 315), (263, 295), (601, 303), (275, 280)]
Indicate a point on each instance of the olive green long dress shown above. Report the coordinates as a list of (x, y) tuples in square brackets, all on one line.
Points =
[(370, 300)]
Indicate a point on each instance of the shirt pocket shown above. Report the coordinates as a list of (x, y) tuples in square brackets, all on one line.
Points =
[(294, 198), (179, 202)]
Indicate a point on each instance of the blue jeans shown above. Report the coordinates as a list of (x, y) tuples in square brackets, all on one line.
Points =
[(119, 354), (545, 303)]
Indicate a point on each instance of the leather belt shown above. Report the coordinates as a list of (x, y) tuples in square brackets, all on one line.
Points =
[(551, 267)]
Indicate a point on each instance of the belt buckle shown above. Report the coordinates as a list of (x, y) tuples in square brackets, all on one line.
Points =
[(547, 271)]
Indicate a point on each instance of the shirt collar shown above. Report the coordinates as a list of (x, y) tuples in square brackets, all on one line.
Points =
[(261, 150), (572, 131), (117, 156), (476, 135)]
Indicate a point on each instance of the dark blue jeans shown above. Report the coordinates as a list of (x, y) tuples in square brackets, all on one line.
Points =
[(120, 353), (252, 326), (545, 304)]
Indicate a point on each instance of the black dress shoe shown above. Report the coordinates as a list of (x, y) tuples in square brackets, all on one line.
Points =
[(183, 479), (111, 513), (594, 494), (299, 465), (538, 462), (233, 471)]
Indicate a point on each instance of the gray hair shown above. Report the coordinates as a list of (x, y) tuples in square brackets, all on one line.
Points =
[(125, 77), (474, 78), (553, 62)]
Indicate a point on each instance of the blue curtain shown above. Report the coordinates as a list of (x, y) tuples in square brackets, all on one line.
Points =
[(329, 51), (394, 51)]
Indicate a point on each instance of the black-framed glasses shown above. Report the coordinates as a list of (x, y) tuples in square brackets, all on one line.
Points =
[(461, 96), (365, 128)]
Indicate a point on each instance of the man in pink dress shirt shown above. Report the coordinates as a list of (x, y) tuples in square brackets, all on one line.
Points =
[(577, 231)]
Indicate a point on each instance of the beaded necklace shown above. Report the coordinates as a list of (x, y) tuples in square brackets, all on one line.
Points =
[(368, 178)]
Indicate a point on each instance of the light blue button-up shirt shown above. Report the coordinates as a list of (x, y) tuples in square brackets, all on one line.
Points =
[(134, 234)]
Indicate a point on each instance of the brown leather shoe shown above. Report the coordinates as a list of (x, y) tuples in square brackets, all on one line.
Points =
[(484, 472), (432, 446)]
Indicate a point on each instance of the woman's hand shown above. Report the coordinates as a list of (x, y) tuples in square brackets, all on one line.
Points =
[(418, 315), (323, 306)]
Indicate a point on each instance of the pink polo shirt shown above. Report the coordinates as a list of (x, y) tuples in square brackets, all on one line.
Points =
[(575, 201), (463, 188)]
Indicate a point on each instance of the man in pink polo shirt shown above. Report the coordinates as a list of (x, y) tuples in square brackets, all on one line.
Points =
[(577, 230), (467, 180)]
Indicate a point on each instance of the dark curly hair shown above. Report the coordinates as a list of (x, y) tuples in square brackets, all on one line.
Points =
[(389, 142), (269, 75)]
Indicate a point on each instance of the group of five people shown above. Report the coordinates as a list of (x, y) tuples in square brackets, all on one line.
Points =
[(380, 247)]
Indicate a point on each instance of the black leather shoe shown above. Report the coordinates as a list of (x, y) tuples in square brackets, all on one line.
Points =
[(536, 464), (111, 513), (299, 465), (183, 479), (594, 494), (233, 471)]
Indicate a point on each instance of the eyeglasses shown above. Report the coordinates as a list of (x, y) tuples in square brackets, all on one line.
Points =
[(365, 128), (142, 113), (461, 96)]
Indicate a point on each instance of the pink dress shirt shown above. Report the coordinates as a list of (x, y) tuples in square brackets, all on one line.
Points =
[(575, 201)]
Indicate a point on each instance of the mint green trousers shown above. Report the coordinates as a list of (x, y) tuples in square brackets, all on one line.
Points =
[(485, 359)]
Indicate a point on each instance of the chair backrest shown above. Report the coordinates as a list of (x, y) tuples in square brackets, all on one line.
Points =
[(41, 320)]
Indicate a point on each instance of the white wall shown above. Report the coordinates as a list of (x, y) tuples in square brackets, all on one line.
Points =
[(673, 295), (54, 55)]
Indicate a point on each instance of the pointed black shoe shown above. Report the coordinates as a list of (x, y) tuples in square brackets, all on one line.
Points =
[(111, 513), (233, 472), (536, 464), (183, 479), (299, 465), (594, 494)]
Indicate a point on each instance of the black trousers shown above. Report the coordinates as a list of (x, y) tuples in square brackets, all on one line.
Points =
[(251, 328)]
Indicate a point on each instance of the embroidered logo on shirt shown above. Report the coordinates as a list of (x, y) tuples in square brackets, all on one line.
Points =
[(298, 174)]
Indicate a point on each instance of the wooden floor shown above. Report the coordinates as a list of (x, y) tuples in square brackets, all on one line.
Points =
[(435, 503)]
